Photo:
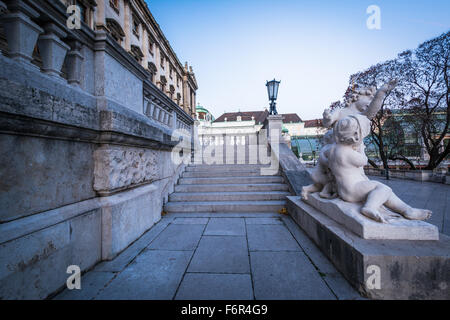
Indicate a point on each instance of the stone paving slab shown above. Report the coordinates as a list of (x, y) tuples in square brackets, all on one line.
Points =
[(263, 221), (178, 237), (221, 254), (333, 278), (190, 221), (225, 227), (207, 286), (270, 238), (179, 255), (91, 284), (126, 256), (286, 276), (222, 215), (154, 275)]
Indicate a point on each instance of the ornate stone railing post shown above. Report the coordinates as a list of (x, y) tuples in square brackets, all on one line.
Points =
[(174, 120), (74, 61), (21, 33), (53, 50)]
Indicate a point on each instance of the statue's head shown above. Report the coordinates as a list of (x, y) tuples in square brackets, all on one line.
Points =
[(361, 98), (351, 130), (328, 137)]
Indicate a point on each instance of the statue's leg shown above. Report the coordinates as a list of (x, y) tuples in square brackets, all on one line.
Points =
[(397, 205), (378, 194), (310, 189), (327, 191)]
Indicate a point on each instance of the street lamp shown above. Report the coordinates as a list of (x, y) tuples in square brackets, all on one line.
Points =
[(272, 90)]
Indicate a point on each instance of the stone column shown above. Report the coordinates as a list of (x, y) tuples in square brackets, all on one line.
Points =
[(21, 33), (274, 122), (74, 63), (53, 50)]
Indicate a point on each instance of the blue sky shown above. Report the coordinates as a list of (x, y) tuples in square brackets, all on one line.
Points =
[(311, 46)]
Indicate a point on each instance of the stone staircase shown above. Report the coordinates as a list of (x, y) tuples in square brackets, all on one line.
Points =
[(227, 188)]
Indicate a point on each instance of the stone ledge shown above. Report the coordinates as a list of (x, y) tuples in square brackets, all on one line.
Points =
[(58, 110), (408, 269), (397, 228)]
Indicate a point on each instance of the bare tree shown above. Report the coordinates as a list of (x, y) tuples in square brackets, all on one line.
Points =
[(426, 72), (386, 133)]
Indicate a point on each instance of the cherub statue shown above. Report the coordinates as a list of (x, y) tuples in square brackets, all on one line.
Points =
[(341, 162), (364, 101), (321, 175), (346, 161)]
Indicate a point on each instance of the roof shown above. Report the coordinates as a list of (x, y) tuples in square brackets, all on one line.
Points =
[(259, 116), (291, 117), (313, 123), (199, 108)]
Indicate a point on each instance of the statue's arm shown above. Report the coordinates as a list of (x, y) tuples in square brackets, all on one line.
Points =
[(329, 117), (356, 158), (375, 104)]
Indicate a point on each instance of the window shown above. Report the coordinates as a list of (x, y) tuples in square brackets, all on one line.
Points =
[(136, 26), (163, 58), (83, 14), (136, 53), (152, 70), (151, 43), (115, 5), (171, 72), (163, 82), (115, 30), (178, 81)]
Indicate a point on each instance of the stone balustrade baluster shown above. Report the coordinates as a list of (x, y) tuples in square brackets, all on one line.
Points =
[(74, 62), (52, 49), (20, 31)]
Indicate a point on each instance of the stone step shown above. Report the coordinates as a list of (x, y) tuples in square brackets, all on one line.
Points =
[(228, 196), (206, 174), (231, 187), (232, 180), (225, 206), (225, 167)]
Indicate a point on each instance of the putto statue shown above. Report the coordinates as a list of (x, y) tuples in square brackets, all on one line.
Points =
[(340, 169)]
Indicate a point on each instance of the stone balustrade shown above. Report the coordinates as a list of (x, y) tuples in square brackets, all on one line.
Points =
[(40, 33)]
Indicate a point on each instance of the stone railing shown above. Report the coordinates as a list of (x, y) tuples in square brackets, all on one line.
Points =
[(418, 175), (37, 36)]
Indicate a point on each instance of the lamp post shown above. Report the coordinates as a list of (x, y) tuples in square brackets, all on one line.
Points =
[(272, 90)]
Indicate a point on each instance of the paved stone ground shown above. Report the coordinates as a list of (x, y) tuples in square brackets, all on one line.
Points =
[(213, 256), (428, 195), (236, 256)]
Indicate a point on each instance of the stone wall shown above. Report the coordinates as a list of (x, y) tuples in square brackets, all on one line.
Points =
[(83, 171)]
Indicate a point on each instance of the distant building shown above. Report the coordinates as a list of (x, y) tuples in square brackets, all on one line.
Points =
[(306, 142), (304, 134)]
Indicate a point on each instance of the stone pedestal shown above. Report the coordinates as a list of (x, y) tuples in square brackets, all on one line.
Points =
[(348, 214), (21, 33), (379, 269), (53, 50)]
